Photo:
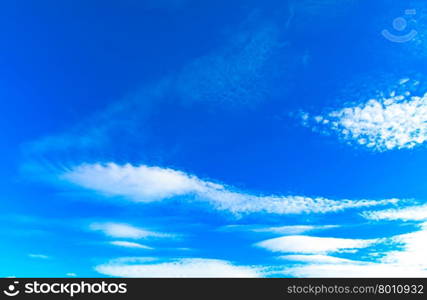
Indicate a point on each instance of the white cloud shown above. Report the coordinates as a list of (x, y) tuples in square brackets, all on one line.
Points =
[(406, 259), (119, 230), (130, 245), (412, 213), (132, 260), (71, 274), (412, 249), (318, 259), (282, 230), (245, 203), (188, 267), (146, 184), (140, 183), (310, 244), (355, 270), (394, 122), (41, 256), (294, 229)]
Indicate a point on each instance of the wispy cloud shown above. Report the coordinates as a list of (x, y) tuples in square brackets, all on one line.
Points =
[(288, 230), (120, 230), (236, 74), (315, 245), (411, 213), (294, 229), (140, 183), (317, 259), (41, 256), (127, 244), (147, 184), (130, 260), (354, 270), (383, 123), (187, 267), (405, 258), (411, 251)]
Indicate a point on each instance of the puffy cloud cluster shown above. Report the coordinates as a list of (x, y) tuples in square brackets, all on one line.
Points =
[(393, 122)]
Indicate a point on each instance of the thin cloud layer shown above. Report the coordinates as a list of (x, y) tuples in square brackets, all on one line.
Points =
[(411, 251), (188, 267), (40, 256), (316, 258), (288, 230), (127, 244), (311, 244), (405, 258), (236, 74), (356, 269), (412, 213), (120, 230), (294, 229), (148, 184)]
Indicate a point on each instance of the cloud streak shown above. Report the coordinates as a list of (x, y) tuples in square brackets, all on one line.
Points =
[(174, 268), (317, 259), (314, 245), (282, 230), (39, 256), (356, 269), (126, 244), (148, 184), (121, 230), (411, 213), (294, 229), (406, 258)]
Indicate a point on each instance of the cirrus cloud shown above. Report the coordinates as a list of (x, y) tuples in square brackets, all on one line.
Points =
[(411, 213), (148, 184), (315, 245), (120, 230), (127, 244), (404, 258), (186, 267)]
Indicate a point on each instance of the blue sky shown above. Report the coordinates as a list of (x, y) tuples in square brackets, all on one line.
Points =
[(179, 138)]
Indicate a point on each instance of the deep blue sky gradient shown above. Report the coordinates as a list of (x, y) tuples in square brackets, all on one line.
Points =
[(64, 63)]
